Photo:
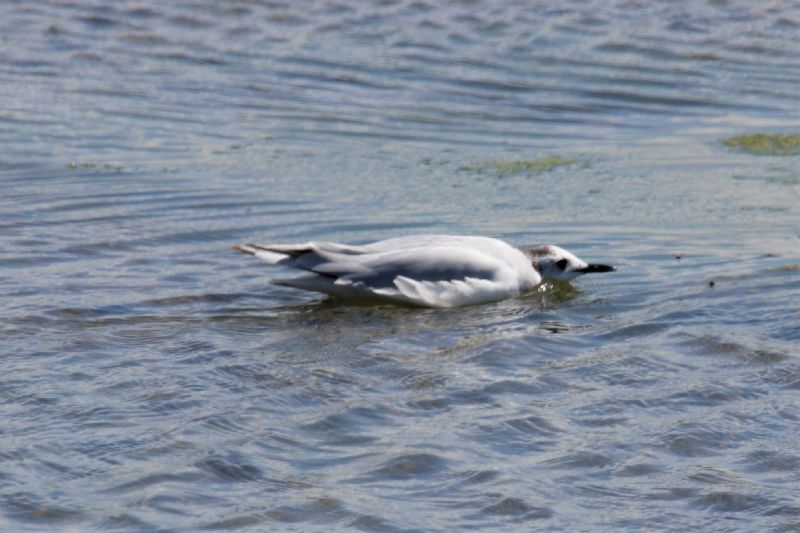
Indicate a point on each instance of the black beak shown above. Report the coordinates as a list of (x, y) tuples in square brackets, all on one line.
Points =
[(590, 269)]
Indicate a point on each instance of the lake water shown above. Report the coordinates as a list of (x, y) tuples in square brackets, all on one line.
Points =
[(152, 378)]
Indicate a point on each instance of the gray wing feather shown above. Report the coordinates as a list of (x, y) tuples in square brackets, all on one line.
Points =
[(433, 264)]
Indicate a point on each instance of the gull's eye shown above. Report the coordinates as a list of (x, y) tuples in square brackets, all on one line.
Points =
[(562, 264)]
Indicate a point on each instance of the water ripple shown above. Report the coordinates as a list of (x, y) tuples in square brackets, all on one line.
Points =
[(155, 379)]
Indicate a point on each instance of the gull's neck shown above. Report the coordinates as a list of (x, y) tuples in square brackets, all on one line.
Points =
[(534, 255)]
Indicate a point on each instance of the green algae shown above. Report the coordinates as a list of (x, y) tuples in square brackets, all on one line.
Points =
[(527, 166), (766, 143)]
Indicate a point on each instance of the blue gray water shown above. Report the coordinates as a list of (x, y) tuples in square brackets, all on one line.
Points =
[(153, 379)]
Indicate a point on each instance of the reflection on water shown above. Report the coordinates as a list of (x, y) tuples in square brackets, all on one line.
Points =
[(155, 379)]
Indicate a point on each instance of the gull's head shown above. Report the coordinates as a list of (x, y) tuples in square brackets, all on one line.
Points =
[(552, 262)]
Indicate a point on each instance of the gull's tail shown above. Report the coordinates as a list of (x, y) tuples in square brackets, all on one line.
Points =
[(308, 255), (245, 248), (267, 255)]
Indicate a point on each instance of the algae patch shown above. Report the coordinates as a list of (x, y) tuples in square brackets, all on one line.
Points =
[(527, 166), (766, 143)]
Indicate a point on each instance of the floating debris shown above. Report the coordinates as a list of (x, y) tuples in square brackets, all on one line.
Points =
[(90, 164)]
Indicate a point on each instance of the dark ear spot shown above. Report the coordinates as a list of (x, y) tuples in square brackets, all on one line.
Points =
[(562, 264)]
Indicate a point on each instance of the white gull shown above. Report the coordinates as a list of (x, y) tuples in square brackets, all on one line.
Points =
[(424, 270)]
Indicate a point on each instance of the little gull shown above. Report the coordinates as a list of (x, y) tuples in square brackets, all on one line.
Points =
[(424, 270)]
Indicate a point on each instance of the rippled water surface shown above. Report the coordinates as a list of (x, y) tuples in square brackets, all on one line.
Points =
[(154, 379)]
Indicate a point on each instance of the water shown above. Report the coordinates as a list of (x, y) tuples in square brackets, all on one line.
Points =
[(154, 379)]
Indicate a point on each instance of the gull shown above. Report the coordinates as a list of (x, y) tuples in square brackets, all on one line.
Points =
[(422, 270)]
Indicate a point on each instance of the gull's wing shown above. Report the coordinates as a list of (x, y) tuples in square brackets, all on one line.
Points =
[(434, 276)]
